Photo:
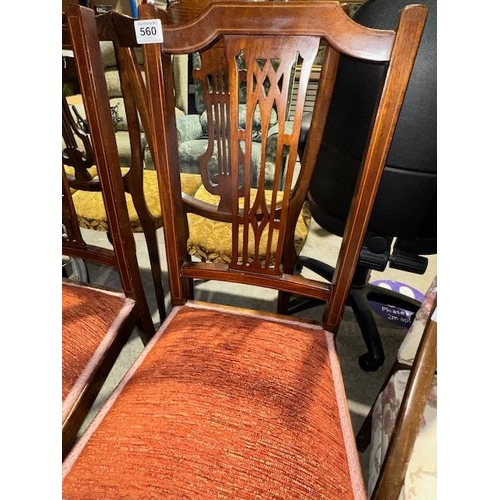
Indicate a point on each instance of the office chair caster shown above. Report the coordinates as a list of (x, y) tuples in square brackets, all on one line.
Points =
[(361, 294), (368, 363)]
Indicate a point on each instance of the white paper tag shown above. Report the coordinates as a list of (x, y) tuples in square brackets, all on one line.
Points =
[(148, 31), (434, 316)]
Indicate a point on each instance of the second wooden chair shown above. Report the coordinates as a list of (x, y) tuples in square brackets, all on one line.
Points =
[(97, 321)]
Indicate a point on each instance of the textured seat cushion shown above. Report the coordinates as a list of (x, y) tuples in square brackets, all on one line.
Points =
[(421, 477), (90, 205), (212, 240), (223, 405), (409, 346), (89, 327)]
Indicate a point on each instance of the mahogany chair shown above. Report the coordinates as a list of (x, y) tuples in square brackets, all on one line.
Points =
[(141, 185), (97, 321), (223, 401)]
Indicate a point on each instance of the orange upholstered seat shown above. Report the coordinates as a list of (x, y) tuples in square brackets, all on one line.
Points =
[(91, 320), (256, 401)]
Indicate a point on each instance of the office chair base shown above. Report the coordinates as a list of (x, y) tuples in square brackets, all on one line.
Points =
[(359, 298)]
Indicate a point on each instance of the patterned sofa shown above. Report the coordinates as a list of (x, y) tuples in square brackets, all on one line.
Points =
[(193, 129), (421, 476)]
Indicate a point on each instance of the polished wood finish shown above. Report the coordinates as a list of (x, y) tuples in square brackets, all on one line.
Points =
[(197, 341), (406, 428), (184, 11), (133, 179), (132, 309), (253, 29)]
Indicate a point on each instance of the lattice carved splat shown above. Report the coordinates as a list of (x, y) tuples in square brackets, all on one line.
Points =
[(270, 65)]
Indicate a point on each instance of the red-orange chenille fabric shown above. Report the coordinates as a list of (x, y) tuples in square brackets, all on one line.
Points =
[(223, 405), (85, 335)]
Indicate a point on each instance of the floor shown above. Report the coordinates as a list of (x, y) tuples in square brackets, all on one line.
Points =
[(361, 387)]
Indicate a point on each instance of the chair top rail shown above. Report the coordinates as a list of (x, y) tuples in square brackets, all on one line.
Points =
[(323, 19)]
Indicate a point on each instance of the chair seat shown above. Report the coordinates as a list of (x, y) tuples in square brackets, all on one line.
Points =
[(89, 205), (86, 338), (211, 240), (253, 410), (421, 476)]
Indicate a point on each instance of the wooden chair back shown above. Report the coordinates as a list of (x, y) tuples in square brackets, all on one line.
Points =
[(212, 76), (271, 38), (80, 160), (102, 152), (78, 147)]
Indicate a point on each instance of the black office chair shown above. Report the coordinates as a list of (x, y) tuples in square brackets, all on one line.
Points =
[(403, 225)]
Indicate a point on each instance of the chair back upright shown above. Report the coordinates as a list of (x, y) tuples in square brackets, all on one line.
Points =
[(78, 148), (272, 38), (98, 147), (81, 161), (212, 74)]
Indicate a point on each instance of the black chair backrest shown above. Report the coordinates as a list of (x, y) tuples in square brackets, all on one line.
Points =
[(406, 204)]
